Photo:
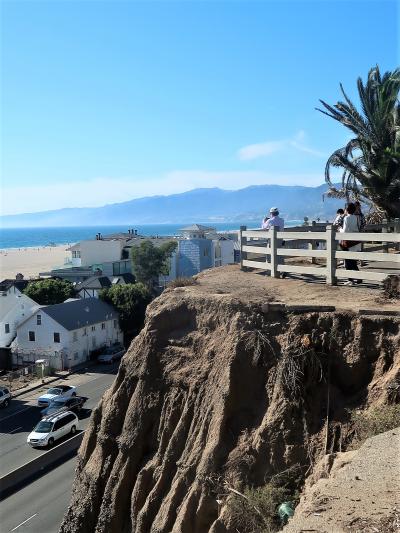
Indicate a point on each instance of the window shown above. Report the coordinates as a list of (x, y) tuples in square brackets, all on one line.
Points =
[(38, 320), (115, 324), (116, 269), (75, 336), (84, 332), (7, 328), (76, 356), (58, 425), (93, 328), (103, 326), (32, 336), (94, 342), (56, 336)]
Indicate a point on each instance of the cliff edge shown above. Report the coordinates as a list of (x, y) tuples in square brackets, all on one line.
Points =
[(222, 390)]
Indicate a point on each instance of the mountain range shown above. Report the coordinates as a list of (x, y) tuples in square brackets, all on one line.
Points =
[(197, 205)]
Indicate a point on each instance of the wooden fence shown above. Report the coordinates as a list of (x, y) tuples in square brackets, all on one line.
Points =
[(268, 243)]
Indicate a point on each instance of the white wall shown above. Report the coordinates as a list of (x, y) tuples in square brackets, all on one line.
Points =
[(14, 307), (74, 349), (94, 252), (223, 252)]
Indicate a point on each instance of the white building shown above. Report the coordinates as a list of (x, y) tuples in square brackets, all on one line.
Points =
[(65, 334), (14, 308), (91, 287), (95, 252)]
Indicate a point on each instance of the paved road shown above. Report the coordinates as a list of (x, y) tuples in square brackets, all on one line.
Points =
[(17, 421), (40, 506)]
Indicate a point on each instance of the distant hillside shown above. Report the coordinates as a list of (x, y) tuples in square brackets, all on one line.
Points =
[(198, 205)]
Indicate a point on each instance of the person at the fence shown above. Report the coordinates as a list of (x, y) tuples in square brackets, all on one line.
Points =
[(338, 222), (350, 225), (276, 220)]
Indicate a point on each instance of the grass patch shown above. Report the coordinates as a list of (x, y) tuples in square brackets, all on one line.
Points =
[(372, 422), (256, 509), (181, 282)]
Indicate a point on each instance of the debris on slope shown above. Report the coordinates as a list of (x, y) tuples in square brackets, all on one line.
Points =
[(359, 493)]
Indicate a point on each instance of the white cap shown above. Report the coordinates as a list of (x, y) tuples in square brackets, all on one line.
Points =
[(273, 210)]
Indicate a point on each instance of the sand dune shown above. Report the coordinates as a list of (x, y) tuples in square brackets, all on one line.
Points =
[(30, 261)]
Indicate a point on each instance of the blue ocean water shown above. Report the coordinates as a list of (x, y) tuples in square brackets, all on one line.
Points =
[(28, 237)]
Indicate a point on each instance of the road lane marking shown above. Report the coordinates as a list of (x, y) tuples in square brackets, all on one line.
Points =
[(24, 522), (17, 413), (16, 429)]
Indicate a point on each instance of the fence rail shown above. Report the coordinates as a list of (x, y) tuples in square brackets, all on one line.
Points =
[(268, 243)]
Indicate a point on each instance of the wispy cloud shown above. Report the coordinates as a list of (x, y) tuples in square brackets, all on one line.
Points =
[(298, 142), (106, 190)]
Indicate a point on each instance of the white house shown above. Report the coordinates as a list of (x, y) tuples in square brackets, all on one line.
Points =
[(94, 252), (14, 308), (65, 334)]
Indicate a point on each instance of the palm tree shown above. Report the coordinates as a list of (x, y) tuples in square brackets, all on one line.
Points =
[(371, 159)]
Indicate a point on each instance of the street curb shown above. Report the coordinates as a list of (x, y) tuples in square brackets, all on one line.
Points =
[(24, 391), (20, 392)]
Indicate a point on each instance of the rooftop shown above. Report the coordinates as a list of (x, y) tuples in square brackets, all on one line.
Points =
[(79, 313)]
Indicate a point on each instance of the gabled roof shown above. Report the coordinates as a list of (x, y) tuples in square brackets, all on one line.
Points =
[(20, 284), (80, 313), (197, 227), (94, 282)]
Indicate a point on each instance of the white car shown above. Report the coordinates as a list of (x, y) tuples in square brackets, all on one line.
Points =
[(64, 391), (52, 428), (111, 354)]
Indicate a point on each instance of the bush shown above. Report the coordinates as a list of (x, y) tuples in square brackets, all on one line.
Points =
[(256, 510), (181, 282), (50, 291), (373, 421)]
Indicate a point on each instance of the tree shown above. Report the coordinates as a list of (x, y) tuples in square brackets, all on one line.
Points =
[(130, 301), (149, 261), (50, 291), (371, 159)]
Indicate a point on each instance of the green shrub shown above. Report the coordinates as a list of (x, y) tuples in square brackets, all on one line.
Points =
[(256, 510), (181, 282), (373, 421)]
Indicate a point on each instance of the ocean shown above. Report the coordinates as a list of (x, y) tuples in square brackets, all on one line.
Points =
[(36, 237)]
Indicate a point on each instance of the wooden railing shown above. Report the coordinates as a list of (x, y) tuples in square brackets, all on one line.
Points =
[(268, 243)]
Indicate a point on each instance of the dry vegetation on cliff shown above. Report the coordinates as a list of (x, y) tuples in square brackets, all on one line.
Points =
[(219, 393)]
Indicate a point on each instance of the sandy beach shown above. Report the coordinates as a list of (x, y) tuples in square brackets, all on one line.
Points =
[(30, 261)]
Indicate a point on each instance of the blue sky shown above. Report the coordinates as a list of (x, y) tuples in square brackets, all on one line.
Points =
[(107, 101)]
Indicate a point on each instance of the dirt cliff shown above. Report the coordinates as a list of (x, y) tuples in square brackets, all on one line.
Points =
[(224, 389)]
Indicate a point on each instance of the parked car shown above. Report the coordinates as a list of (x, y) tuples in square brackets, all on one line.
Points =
[(5, 397), (75, 404), (52, 428), (111, 354), (65, 391)]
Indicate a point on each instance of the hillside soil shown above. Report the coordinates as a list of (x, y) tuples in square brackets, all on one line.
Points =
[(220, 391)]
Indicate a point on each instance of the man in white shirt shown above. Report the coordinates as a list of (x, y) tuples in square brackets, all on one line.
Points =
[(275, 220)]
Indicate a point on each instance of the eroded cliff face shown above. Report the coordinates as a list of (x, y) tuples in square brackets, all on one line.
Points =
[(215, 390)]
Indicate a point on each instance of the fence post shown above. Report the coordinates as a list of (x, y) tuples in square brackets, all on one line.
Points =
[(385, 245), (330, 256), (243, 241), (274, 257), (312, 246), (396, 231)]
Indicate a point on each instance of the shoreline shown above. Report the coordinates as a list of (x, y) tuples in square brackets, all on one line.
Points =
[(39, 247)]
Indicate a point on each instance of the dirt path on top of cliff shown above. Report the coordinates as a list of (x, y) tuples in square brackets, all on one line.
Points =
[(255, 286)]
